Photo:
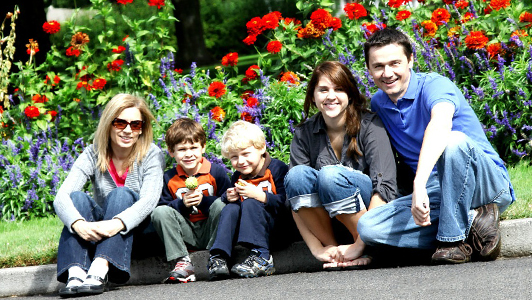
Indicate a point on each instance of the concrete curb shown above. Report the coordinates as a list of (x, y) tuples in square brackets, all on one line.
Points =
[(516, 242)]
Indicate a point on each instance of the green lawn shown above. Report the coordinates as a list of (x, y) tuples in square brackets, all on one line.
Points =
[(34, 242)]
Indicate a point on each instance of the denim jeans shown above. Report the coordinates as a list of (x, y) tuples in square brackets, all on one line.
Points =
[(75, 251), (340, 190), (465, 179)]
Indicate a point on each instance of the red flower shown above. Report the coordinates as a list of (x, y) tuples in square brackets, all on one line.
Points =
[(525, 17), (461, 4), (430, 28), (39, 99), (179, 71), (115, 65), (289, 77), (124, 1), (32, 51), (372, 28), (99, 83), (51, 27), (499, 4), (321, 18), (271, 20), (250, 40), (467, 17), (217, 89), (157, 3), (124, 39), (252, 102), (288, 21), (476, 40), (403, 15), (71, 51), (52, 113), (274, 47), (449, 2), (120, 49), (56, 80), (494, 50), (251, 73), (335, 23), (246, 117), (218, 114), (397, 3), (440, 15), (246, 94), (31, 112), (355, 11), (255, 26), (84, 84), (231, 59)]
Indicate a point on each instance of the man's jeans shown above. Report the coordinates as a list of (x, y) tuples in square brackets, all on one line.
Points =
[(465, 179), (75, 251), (340, 190)]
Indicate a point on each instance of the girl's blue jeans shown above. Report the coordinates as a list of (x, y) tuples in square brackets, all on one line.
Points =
[(338, 189)]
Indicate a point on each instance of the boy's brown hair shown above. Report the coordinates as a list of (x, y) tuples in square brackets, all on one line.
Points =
[(184, 130)]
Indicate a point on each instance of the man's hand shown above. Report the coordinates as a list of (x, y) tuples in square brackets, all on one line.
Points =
[(192, 198), (420, 207), (109, 228), (87, 230), (232, 195), (249, 190)]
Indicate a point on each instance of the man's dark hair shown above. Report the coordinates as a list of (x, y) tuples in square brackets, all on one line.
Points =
[(387, 36)]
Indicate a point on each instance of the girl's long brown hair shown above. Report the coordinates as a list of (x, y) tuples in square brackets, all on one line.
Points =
[(340, 75)]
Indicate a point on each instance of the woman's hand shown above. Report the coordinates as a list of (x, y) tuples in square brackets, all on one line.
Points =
[(192, 198), (109, 228), (87, 230), (248, 190), (232, 195)]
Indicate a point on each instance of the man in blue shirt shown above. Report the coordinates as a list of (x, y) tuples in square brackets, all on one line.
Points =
[(461, 184)]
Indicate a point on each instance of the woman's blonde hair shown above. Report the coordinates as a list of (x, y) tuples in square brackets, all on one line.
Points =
[(102, 141), (241, 135)]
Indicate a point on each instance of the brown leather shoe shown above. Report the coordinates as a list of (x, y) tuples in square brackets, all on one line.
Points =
[(452, 253), (485, 235)]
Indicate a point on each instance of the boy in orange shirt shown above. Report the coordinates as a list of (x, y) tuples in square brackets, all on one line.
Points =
[(188, 214)]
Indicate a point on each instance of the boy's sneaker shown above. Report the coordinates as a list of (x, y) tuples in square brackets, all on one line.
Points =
[(182, 272), (217, 268), (254, 266)]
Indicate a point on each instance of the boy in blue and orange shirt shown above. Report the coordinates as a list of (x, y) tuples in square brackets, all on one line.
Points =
[(253, 202), (188, 216)]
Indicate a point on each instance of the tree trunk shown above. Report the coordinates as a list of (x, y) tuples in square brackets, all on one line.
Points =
[(189, 32)]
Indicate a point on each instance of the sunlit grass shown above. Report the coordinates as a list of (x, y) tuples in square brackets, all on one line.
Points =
[(520, 175), (29, 243)]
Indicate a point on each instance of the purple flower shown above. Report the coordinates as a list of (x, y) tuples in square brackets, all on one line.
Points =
[(291, 125), (154, 100), (193, 67), (529, 71), (519, 153), (217, 161), (168, 94), (517, 41)]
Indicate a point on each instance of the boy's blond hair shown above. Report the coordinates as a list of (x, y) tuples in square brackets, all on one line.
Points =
[(241, 135)]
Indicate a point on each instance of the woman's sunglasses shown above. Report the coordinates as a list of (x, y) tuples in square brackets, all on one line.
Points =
[(121, 124)]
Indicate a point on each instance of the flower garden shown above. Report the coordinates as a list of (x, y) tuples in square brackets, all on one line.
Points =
[(50, 111)]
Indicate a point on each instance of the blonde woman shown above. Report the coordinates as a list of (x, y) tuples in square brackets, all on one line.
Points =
[(126, 172)]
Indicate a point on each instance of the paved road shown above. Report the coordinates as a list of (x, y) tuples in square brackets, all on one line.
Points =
[(501, 279)]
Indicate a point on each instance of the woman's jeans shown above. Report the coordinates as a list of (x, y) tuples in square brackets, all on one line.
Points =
[(338, 189), (75, 251), (465, 179)]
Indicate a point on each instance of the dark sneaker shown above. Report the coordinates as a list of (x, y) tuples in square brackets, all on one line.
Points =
[(217, 268), (452, 253), (183, 272), (485, 235), (254, 266)]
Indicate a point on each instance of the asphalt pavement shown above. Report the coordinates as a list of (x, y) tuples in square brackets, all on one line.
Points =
[(299, 275), (500, 279)]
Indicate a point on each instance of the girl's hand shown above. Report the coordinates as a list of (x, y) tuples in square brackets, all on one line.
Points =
[(87, 230)]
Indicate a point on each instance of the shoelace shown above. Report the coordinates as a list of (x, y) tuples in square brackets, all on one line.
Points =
[(180, 265)]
